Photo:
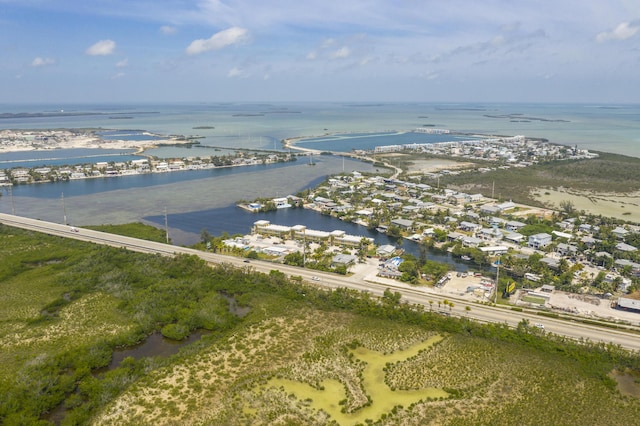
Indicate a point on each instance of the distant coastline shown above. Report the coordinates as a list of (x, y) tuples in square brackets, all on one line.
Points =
[(9, 115)]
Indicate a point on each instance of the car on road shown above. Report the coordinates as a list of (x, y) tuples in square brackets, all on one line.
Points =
[(314, 278), (540, 326), (246, 261), (74, 229)]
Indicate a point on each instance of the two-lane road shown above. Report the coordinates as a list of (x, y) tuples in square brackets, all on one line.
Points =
[(629, 339)]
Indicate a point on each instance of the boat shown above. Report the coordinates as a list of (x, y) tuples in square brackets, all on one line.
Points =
[(465, 257)]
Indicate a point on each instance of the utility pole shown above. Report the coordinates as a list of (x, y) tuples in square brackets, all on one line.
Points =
[(166, 225), (497, 279), (13, 209), (64, 210)]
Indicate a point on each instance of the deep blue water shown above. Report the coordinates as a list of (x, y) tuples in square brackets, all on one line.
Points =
[(82, 187), (235, 220)]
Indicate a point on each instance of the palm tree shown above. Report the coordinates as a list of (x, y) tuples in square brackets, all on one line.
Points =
[(430, 305), (450, 306)]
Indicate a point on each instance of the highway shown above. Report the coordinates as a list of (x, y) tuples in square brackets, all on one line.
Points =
[(628, 338)]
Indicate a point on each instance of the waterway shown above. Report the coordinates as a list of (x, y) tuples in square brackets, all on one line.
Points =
[(61, 157), (196, 201)]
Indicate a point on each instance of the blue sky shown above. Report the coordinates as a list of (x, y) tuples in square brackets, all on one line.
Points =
[(54, 51)]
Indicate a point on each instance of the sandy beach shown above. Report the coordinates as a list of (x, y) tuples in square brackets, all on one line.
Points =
[(31, 140)]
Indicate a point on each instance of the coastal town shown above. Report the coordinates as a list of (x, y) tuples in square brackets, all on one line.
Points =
[(542, 253), (552, 260), (51, 140), (504, 152)]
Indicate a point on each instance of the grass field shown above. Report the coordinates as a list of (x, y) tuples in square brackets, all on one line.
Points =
[(301, 355)]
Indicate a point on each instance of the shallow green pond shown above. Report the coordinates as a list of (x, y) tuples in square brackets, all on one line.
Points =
[(382, 396)]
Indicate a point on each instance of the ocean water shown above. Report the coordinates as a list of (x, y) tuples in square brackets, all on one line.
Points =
[(611, 128), (193, 199)]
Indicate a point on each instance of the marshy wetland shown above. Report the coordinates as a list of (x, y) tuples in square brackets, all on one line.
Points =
[(300, 355)]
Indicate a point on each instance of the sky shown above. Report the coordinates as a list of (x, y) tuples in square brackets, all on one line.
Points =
[(567, 51)]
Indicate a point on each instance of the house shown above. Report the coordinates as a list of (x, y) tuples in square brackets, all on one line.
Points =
[(626, 247), (566, 249), (506, 206), (469, 226), (630, 302), (620, 232), (343, 260), (584, 227), (624, 263), (403, 223), (567, 224), (471, 241), (488, 209), (514, 225), (513, 237), (386, 250), (491, 234), (473, 215), (495, 221), (564, 235), (459, 198), (494, 250), (551, 262), (538, 241)]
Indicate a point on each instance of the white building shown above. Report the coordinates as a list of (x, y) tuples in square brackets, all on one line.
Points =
[(539, 241)]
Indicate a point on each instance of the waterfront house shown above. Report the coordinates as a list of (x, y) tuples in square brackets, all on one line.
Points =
[(403, 223), (471, 241), (264, 227), (386, 250)]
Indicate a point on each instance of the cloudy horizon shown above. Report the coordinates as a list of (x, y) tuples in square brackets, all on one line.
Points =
[(283, 50)]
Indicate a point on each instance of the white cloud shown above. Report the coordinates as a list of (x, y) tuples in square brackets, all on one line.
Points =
[(328, 43), (123, 63), (220, 40), (41, 62), (102, 48), (312, 55), (118, 75), (341, 53), (168, 30), (236, 72), (623, 31)]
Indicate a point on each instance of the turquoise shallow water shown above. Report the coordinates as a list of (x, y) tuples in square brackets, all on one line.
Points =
[(612, 128), (196, 196)]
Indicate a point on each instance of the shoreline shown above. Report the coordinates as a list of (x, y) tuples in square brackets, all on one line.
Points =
[(12, 141)]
